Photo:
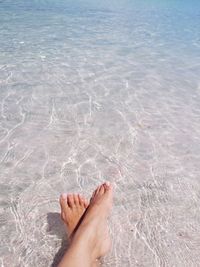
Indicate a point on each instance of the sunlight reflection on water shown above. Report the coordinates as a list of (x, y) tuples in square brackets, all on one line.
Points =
[(90, 92)]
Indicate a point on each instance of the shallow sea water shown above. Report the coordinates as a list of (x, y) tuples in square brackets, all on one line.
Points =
[(94, 91)]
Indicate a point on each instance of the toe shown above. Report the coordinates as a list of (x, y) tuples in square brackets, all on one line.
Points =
[(86, 203), (102, 189), (76, 200), (97, 190), (63, 196), (107, 186), (95, 193), (63, 203), (81, 200), (70, 200)]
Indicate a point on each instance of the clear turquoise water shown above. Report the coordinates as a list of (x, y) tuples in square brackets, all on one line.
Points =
[(91, 90)]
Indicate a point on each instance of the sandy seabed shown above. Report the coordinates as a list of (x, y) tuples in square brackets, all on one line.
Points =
[(95, 96)]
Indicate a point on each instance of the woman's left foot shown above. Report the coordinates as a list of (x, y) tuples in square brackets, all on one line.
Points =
[(73, 207)]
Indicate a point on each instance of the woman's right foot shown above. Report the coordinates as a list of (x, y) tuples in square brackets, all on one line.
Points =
[(73, 207), (93, 234)]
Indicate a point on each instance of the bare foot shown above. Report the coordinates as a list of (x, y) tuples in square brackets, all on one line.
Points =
[(73, 207), (93, 231)]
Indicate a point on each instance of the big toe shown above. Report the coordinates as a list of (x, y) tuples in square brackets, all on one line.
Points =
[(103, 194), (105, 188), (99, 191), (108, 188), (63, 203)]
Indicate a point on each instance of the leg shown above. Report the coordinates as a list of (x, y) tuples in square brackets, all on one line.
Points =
[(73, 207), (91, 240)]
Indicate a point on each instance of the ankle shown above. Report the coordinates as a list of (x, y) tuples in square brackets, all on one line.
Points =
[(83, 248)]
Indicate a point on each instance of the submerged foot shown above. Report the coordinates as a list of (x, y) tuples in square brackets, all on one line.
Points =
[(73, 207), (93, 233)]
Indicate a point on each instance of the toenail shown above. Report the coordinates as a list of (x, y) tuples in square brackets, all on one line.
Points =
[(64, 195)]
